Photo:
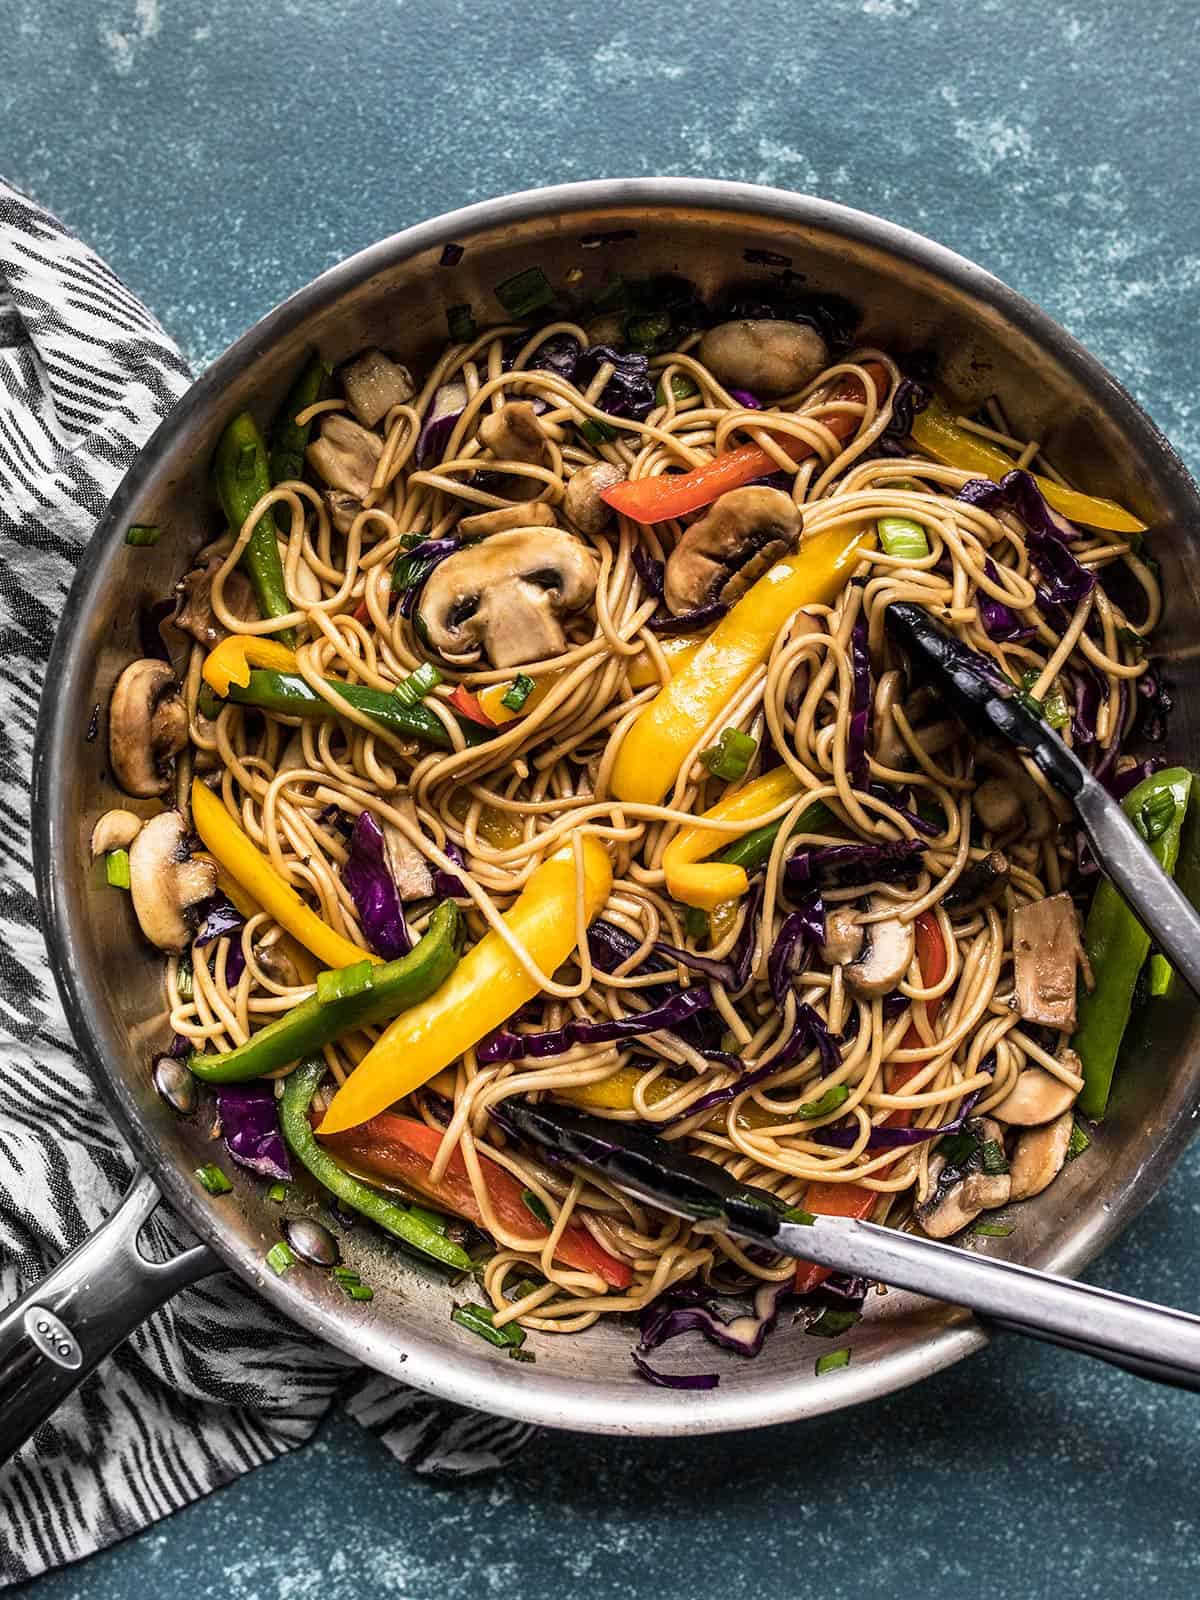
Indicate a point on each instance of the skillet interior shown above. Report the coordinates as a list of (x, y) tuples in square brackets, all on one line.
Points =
[(913, 296)]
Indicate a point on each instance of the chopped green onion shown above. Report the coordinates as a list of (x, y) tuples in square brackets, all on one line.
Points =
[(993, 1230), (461, 323), (831, 1362), (695, 922), (537, 1206), (1055, 708), (431, 1219), (517, 1354), (833, 1322), (798, 1214), (836, 1095), (902, 537), (116, 869), (183, 979), (682, 388), (277, 1193), (522, 1290), (994, 1160), (280, 1258), (518, 691), (956, 1148), (342, 983), (613, 297), (1153, 819), (209, 703), (646, 334), (478, 1320), (596, 433), (1078, 1143), (409, 570), (213, 1179), (139, 534), (731, 755), (1162, 975), (525, 293), (360, 1291), (345, 1275), (418, 684)]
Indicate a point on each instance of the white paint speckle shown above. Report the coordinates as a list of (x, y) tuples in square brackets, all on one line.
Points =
[(124, 44)]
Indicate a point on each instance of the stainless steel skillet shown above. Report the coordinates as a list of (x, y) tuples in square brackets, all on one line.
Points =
[(913, 295)]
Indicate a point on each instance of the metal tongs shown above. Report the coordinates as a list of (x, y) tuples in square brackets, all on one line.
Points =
[(1149, 1340)]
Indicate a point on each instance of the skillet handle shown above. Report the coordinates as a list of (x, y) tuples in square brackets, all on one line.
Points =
[(62, 1328)]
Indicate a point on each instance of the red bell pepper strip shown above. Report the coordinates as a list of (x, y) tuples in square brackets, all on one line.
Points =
[(851, 1199), (675, 494), (467, 705), (402, 1149)]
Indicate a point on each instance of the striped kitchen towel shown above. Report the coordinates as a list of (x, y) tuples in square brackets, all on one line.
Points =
[(217, 1381)]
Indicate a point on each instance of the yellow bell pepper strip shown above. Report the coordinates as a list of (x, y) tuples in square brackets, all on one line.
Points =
[(482, 992), (233, 658), (242, 859), (935, 432), (675, 494), (678, 651), (706, 884), (615, 1093), (655, 747)]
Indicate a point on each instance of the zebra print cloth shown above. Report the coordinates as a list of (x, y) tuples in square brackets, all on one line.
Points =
[(216, 1382)]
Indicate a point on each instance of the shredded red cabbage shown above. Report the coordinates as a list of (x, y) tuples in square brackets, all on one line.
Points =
[(630, 390), (690, 1310), (648, 570), (802, 931), (676, 1008), (1000, 622), (893, 1138), (808, 1032), (447, 405), (732, 973), (1121, 783), (413, 568), (1064, 581), (690, 621), (1155, 702), (860, 718), (909, 812), (374, 892), (846, 866), (448, 885), (224, 920), (675, 1380), (249, 1116), (610, 946), (745, 398)]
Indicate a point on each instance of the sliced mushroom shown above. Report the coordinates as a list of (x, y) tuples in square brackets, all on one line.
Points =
[(582, 503), (277, 965), (342, 509), (409, 869), (167, 882), (116, 830), (1047, 953), (373, 383), (194, 613), (345, 455), (887, 957), (998, 805), (1037, 1096), (505, 518), (1039, 1157), (978, 885), (959, 1194), (514, 434), (506, 597), (147, 727), (843, 937), (727, 549), (768, 358)]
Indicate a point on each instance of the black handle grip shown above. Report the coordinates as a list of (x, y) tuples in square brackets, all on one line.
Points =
[(59, 1331)]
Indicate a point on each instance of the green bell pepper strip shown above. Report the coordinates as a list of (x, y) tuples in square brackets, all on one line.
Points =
[(1117, 946), (288, 439), (289, 695), (389, 990), (388, 1214), (753, 850), (243, 477)]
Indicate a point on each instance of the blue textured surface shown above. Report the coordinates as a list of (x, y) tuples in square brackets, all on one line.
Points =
[(219, 154)]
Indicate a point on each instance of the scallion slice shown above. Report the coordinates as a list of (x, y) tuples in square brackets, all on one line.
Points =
[(525, 293), (478, 1320), (1079, 1142), (731, 755), (418, 684), (518, 691), (596, 433), (360, 1291), (831, 1362), (833, 1322), (280, 1258), (277, 1193), (461, 322), (836, 1094), (116, 869), (213, 1179), (993, 1230), (183, 979), (140, 534), (903, 538), (536, 1205)]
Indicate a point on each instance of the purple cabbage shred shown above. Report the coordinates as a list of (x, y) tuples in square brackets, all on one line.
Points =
[(249, 1116), (675, 1009), (373, 889)]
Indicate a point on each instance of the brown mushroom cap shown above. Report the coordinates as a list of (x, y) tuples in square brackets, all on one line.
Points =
[(147, 727), (168, 884), (345, 456), (505, 597), (722, 553), (582, 504), (194, 613), (115, 830)]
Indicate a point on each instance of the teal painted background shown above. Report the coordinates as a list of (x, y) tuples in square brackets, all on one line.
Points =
[(219, 154)]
